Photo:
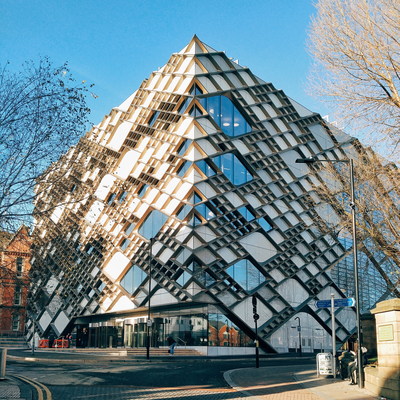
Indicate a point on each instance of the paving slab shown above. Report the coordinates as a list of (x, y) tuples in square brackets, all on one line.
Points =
[(292, 383), (134, 393)]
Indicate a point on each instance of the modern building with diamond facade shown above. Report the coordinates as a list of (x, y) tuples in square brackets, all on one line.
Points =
[(184, 203)]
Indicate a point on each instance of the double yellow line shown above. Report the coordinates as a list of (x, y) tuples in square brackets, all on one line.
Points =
[(43, 392)]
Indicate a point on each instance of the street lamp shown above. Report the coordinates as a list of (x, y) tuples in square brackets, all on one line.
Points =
[(149, 322), (299, 330), (312, 160)]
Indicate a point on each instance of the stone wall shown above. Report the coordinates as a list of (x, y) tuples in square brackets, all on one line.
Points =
[(384, 379)]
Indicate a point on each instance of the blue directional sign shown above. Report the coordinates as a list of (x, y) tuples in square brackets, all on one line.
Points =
[(349, 302)]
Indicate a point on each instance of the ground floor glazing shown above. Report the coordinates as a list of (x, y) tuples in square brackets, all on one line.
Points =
[(192, 327)]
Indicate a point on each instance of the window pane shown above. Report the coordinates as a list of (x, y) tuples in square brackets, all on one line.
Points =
[(195, 90), (183, 147), (17, 295), (214, 108), (205, 168), (184, 211), (264, 224), (233, 169), (129, 229), (15, 322), (142, 190), (195, 111), (124, 244), (182, 108), (226, 116), (19, 265), (195, 220), (247, 214), (111, 198), (133, 279), (246, 275), (227, 165), (240, 125), (183, 168), (152, 224), (184, 278), (205, 211), (122, 196), (153, 118)]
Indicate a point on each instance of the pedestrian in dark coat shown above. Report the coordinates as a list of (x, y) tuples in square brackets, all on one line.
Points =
[(172, 344)]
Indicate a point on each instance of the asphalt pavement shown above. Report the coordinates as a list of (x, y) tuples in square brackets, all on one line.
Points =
[(283, 382)]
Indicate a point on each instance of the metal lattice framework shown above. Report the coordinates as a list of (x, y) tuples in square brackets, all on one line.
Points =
[(202, 158)]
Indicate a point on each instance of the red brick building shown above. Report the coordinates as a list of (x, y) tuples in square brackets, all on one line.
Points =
[(14, 282)]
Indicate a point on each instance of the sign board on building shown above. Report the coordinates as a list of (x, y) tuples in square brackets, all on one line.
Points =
[(324, 364), (348, 302), (385, 333)]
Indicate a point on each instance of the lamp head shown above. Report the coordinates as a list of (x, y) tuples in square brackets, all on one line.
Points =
[(308, 160)]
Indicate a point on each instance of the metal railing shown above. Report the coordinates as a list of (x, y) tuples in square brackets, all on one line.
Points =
[(179, 339)]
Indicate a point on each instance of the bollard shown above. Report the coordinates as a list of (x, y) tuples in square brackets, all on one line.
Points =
[(3, 360)]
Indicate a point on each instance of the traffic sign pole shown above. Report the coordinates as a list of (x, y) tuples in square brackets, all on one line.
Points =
[(256, 317)]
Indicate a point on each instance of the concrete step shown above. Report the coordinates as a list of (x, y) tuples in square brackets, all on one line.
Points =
[(14, 342), (163, 351), (136, 351)]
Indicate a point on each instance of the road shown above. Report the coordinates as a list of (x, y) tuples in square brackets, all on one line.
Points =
[(175, 378)]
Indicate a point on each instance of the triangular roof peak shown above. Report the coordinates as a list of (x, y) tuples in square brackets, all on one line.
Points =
[(6, 238), (195, 46)]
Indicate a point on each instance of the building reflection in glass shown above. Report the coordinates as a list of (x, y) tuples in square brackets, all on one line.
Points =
[(188, 329)]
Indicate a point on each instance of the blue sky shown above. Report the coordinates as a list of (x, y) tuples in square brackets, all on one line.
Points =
[(115, 44)]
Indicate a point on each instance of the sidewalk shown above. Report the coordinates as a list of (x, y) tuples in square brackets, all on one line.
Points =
[(292, 383)]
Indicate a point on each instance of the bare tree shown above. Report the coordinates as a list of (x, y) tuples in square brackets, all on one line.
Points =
[(378, 210), (356, 48), (43, 112)]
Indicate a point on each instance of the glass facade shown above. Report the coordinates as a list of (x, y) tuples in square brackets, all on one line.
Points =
[(196, 163), (193, 327), (152, 224), (372, 286), (246, 275), (132, 279), (205, 167), (226, 115), (233, 169)]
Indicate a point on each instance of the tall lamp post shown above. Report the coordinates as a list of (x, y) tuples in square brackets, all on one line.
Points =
[(299, 330), (312, 160), (149, 321)]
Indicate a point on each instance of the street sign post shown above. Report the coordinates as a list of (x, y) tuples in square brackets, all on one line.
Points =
[(332, 304), (256, 317), (348, 302)]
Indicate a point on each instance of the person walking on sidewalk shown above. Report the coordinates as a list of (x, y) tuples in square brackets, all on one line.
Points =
[(172, 344)]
